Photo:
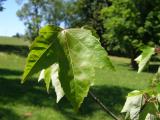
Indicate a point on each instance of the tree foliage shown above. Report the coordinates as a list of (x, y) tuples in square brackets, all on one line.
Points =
[(130, 24), (78, 54), (72, 13), (36, 13), (86, 12), (1, 5), (30, 14)]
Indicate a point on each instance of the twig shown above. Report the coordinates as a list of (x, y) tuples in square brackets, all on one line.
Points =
[(103, 106)]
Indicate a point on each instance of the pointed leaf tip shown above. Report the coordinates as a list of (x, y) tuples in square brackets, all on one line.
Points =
[(41, 76), (144, 58), (41, 51)]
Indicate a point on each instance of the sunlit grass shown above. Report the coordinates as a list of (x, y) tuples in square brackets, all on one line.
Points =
[(13, 41)]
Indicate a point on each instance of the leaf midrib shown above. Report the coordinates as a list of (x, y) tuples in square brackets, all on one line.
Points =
[(69, 54), (71, 61)]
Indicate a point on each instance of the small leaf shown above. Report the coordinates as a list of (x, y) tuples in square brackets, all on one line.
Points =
[(51, 75), (56, 83), (41, 76), (42, 53), (133, 105), (149, 108), (47, 77), (138, 59), (150, 117), (144, 58)]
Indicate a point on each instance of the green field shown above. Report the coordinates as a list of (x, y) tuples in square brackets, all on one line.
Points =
[(30, 101), (12, 41)]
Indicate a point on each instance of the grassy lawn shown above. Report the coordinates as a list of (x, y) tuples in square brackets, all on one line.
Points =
[(12, 41), (30, 101)]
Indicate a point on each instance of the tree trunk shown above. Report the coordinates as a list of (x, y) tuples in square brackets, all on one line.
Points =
[(134, 64)]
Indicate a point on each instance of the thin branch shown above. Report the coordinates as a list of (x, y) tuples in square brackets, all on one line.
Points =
[(103, 106)]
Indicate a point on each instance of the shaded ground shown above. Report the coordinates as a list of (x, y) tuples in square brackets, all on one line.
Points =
[(33, 94), (18, 50)]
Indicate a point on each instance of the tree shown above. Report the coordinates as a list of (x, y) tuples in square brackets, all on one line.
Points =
[(53, 12), (86, 12), (73, 13), (1, 5), (34, 13), (130, 24), (30, 14)]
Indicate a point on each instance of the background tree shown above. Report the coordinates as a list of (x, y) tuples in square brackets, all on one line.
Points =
[(73, 13), (35, 13), (130, 24), (1, 4), (30, 14), (53, 12), (123, 26), (86, 12)]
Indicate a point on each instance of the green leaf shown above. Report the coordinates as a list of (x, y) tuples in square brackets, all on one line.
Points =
[(144, 58), (42, 53), (81, 54), (47, 77), (149, 108), (78, 54)]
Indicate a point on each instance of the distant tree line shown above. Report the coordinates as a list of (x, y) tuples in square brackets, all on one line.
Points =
[(123, 26)]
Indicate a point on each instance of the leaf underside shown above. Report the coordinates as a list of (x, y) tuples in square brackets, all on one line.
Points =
[(50, 75), (144, 58)]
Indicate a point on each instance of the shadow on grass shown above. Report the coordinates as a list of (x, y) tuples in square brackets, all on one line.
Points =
[(7, 114), (151, 68), (4, 72), (32, 93), (29, 93), (112, 97), (16, 49)]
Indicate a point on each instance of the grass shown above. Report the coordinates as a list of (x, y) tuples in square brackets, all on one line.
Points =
[(30, 101), (13, 41)]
